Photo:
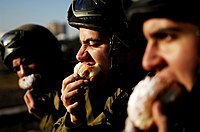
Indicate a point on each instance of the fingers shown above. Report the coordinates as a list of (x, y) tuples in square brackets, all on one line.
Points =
[(74, 104), (72, 90), (33, 101), (74, 85), (68, 80), (71, 109), (159, 118), (29, 100), (73, 96), (67, 97), (77, 112)]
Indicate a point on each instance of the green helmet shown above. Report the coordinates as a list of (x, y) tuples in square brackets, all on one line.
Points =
[(101, 15), (31, 39)]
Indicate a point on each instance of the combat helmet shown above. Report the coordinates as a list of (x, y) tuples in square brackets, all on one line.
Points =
[(29, 39), (177, 10), (102, 15)]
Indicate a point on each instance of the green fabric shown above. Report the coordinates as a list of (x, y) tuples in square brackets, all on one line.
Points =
[(46, 124), (111, 116), (48, 121)]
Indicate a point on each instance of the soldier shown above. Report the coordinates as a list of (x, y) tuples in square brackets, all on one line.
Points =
[(34, 54), (99, 103), (172, 34)]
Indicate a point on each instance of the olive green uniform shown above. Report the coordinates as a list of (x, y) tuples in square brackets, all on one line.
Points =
[(105, 112)]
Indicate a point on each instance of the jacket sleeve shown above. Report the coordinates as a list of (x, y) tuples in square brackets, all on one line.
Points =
[(111, 118)]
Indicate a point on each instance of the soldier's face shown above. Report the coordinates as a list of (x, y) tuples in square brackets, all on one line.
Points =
[(172, 46), (94, 49)]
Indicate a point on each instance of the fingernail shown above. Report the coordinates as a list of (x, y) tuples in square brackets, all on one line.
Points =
[(85, 81)]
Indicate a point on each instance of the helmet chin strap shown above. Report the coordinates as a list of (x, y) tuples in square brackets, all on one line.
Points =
[(116, 46), (113, 52), (114, 66)]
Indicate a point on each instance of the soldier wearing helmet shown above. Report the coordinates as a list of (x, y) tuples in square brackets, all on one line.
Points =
[(39, 39), (171, 29), (99, 104), (35, 55)]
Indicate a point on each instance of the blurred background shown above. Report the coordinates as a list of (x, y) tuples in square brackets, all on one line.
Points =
[(51, 14)]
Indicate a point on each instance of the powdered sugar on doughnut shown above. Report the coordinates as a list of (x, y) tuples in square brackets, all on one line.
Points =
[(27, 81), (144, 94), (136, 104)]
